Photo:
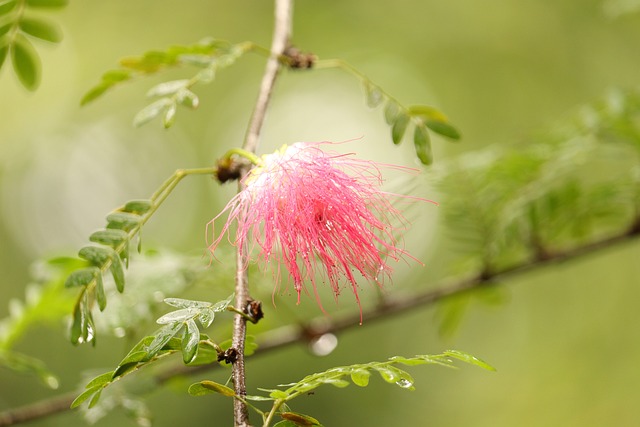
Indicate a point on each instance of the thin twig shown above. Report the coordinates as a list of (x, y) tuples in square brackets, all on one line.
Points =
[(288, 335), (281, 35)]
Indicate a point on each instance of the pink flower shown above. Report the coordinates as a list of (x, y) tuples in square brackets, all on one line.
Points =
[(321, 215)]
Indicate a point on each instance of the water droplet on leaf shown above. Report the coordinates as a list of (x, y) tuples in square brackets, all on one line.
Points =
[(404, 383)]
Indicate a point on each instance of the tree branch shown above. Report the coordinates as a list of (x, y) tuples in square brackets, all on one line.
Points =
[(287, 335), (281, 35)]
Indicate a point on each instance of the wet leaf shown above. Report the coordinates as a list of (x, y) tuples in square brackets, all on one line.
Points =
[(190, 341), (177, 316), (162, 337), (465, 357), (123, 221), (97, 255), (109, 237), (360, 377), (82, 277), (169, 116), (168, 88), (151, 111)]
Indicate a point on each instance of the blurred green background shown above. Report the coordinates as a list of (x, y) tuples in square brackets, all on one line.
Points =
[(565, 341)]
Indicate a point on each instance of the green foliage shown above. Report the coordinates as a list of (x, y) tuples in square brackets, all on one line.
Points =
[(208, 55), (18, 23), (575, 184), (339, 377), (122, 226), (45, 303), (165, 341), (401, 118), (109, 253)]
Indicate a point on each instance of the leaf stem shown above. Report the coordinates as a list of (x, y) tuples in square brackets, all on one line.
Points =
[(276, 405)]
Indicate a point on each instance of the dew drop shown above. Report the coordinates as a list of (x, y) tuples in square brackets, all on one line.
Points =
[(404, 383)]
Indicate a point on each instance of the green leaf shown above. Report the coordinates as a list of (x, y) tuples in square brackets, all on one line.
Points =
[(117, 272), (360, 377), (123, 221), (162, 337), (26, 63), (389, 373), (373, 93), (278, 394), (391, 111), (187, 98), (422, 143), (41, 29), (82, 277), (85, 395), (186, 303), (151, 111), (3, 54), (206, 317), (443, 128), (96, 397), (300, 419), (100, 294), (7, 6), (168, 88), (97, 255), (399, 127), (82, 328), (169, 116), (222, 305), (109, 79), (285, 423), (134, 357), (205, 355), (209, 387), (138, 207), (100, 380), (181, 315), (408, 362), (336, 382), (4, 29), (109, 237), (427, 113), (465, 357), (52, 4), (190, 341)]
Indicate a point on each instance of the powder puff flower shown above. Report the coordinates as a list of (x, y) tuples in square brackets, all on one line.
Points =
[(321, 215)]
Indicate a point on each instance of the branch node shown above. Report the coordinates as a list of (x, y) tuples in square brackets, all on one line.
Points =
[(296, 59)]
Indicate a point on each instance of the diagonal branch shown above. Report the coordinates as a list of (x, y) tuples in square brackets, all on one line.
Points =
[(288, 335)]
